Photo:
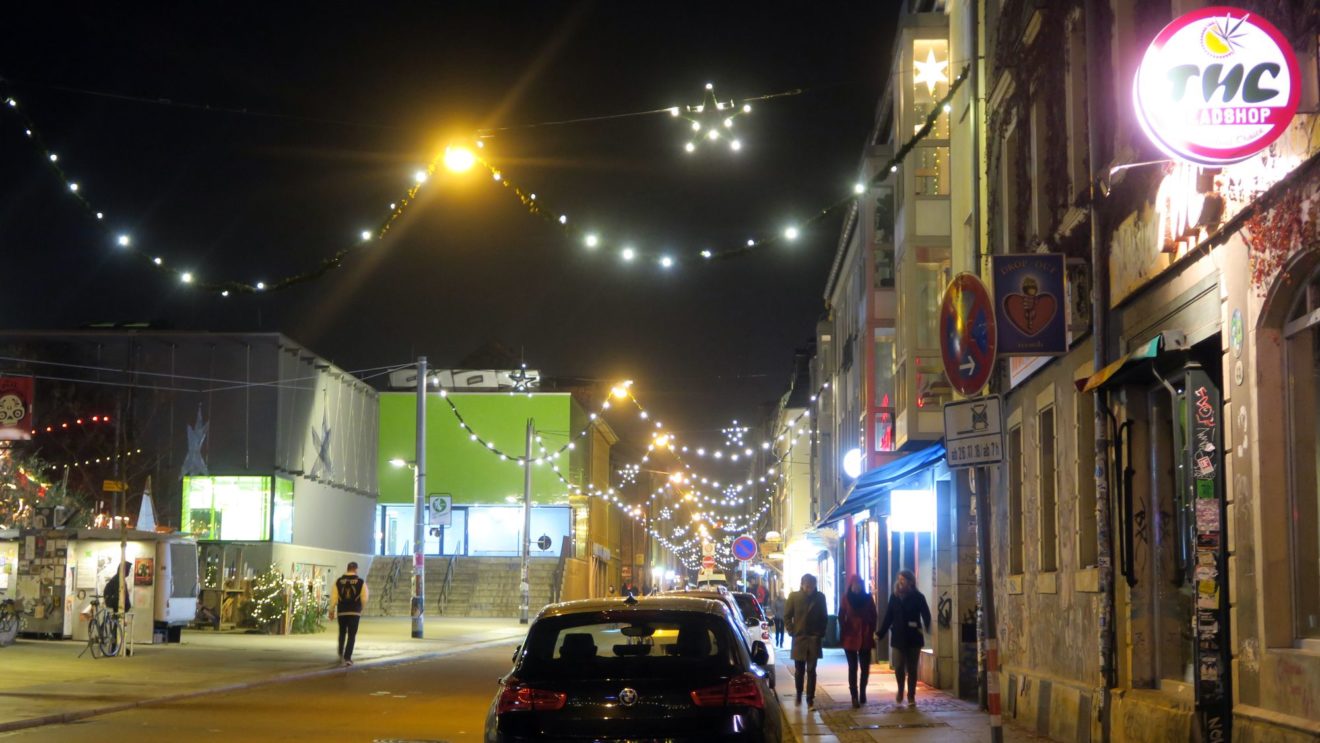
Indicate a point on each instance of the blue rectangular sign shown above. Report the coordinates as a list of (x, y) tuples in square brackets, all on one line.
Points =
[(1030, 304)]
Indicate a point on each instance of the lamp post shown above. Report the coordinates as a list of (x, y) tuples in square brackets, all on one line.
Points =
[(524, 585), (419, 516)]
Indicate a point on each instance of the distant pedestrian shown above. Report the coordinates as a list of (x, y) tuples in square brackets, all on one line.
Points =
[(111, 593), (857, 634), (777, 607), (805, 615), (907, 614), (346, 601), (629, 590)]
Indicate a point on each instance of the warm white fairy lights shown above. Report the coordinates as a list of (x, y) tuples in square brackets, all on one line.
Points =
[(715, 118)]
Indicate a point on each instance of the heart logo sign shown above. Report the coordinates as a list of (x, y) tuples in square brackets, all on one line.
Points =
[(1029, 311)]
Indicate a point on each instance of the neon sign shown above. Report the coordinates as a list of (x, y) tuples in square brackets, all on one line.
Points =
[(1216, 86)]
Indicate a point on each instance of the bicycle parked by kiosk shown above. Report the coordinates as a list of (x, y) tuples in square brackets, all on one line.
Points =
[(105, 631)]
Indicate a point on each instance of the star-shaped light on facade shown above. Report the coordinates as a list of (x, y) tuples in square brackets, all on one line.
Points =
[(931, 72), (711, 121)]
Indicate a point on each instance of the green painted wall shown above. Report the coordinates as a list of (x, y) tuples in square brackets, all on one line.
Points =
[(464, 468)]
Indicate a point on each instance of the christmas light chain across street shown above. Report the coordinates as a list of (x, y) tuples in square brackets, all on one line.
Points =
[(457, 159)]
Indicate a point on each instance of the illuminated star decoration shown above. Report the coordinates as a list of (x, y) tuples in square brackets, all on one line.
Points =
[(711, 120), (322, 443), (522, 381), (193, 463), (931, 72)]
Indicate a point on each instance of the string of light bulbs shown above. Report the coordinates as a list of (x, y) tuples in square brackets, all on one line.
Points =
[(458, 159)]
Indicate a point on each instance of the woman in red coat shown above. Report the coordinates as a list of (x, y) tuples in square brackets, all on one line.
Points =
[(857, 627)]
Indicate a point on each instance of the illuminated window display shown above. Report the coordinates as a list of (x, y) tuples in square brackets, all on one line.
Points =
[(233, 508)]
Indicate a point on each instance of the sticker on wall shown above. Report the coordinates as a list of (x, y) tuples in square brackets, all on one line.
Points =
[(1236, 333)]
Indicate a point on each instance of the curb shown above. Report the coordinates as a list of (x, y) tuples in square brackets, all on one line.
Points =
[(67, 717)]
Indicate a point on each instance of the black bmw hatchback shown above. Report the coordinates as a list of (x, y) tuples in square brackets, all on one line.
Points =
[(662, 668)]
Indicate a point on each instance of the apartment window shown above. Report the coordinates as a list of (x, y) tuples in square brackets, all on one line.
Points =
[(931, 171), (932, 277), (1084, 408), (930, 83), (884, 236), (1049, 504), (884, 389), (1008, 192), (1074, 92), (1302, 351), (1014, 463), (1041, 219)]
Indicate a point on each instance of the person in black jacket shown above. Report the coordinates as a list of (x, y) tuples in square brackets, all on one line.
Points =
[(907, 614), (347, 598), (111, 593)]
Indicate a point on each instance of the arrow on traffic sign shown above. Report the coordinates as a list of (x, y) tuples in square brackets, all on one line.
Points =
[(968, 367)]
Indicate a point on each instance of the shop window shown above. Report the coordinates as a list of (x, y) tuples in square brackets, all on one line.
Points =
[(228, 508), (1047, 490), (282, 521), (1014, 464), (1087, 544), (1302, 351), (497, 530)]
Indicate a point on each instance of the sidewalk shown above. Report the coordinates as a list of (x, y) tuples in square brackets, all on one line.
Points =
[(45, 681), (938, 715)]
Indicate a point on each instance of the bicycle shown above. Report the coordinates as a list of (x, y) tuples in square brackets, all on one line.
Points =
[(105, 631), (10, 622)]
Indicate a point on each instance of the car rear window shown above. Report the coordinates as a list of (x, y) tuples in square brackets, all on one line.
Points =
[(750, 608), (632, 643)]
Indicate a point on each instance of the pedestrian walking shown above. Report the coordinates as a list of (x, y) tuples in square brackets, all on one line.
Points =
[(805, 616), (857, 635), (907, 613), (346, 601), (777, 604)]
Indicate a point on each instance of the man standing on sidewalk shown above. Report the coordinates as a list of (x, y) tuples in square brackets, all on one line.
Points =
[(805, 616), (346, 600)]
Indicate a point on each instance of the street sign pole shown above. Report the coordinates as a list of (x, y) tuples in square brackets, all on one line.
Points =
[(981, 481)]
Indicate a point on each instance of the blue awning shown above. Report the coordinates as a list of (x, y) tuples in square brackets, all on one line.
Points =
[(872, 488)]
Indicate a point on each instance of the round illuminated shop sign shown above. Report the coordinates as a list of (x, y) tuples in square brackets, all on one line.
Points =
[(1216, 86)]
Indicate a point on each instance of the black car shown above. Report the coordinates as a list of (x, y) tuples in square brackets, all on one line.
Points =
[(669, 668)]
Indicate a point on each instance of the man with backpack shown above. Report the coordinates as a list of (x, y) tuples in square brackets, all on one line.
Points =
[(346, 601)]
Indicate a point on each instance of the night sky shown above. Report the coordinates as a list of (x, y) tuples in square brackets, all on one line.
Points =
[(249, 143)]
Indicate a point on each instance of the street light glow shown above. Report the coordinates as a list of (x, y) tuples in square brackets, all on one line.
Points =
[(459, 159)]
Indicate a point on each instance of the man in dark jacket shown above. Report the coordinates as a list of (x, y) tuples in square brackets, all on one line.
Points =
[(907, 614), (805, 616), (347, 599), (112, 590)]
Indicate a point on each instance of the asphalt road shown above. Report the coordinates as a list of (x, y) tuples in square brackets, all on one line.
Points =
[(436, 700)]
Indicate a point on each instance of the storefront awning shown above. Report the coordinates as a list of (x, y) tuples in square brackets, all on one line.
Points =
[(873, 486), (1169, 340)]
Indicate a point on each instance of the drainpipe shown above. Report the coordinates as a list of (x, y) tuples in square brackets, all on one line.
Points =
[(1100, 101)]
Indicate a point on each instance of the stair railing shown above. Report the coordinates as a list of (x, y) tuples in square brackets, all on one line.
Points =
[(557, 578), (391, 583), (448, 582)]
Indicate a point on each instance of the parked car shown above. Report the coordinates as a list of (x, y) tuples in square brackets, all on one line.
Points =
[(664, 667), (754, 626), (754, 613)]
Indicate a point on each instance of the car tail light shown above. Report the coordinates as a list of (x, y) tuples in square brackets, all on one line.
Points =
[(518, 697), (739, 691)]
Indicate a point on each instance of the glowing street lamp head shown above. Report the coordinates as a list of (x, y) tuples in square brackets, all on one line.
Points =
[(397, 462), (459, 159), (791, 233)]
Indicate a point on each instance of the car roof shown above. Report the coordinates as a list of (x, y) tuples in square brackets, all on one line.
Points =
[(665, 602)]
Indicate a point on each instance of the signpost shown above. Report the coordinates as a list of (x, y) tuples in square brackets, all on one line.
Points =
[(1030, 304), (967, 334), (1216, 86), (744, 548), (441, 509), (974, 432)]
